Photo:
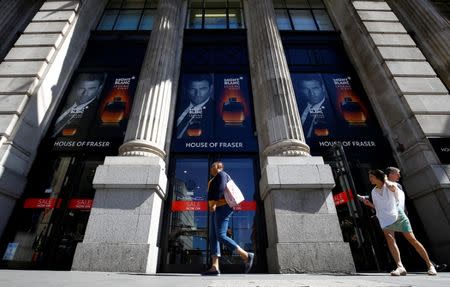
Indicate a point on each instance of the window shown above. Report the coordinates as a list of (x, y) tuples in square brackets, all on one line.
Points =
[(302, 15), (128, 15), (215, 14)]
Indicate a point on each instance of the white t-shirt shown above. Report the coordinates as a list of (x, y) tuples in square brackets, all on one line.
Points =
[(400, 196), (385, 205)]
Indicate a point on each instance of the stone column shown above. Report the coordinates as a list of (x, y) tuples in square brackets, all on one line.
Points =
[(295, 187), (123, 227)]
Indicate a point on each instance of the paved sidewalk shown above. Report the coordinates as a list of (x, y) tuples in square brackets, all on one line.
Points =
[(19, 278)]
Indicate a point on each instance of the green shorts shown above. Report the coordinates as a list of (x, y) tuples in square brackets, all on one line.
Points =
[(402, 224)]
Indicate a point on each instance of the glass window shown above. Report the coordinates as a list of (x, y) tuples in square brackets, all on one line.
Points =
[(128, 15), (215, 19), (128, 20), (299, 15), (323, 21), (215, 14), (195, 19), (283, 21), (303, 20), (108, 20), (147, 20), (236, 19)]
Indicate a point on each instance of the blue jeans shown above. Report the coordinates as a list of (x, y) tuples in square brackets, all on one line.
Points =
[(218, 226)]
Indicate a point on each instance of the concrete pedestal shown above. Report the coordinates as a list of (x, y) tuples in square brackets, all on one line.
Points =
[(302, 225), (123, 227)]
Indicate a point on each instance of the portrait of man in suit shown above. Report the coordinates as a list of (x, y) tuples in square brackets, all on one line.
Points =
[(315, 110), (82, 97), (196, 115)]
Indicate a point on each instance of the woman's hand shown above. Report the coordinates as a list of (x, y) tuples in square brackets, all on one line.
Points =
[(212, 207)]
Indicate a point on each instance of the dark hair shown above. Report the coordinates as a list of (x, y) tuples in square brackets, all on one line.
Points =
[(89, 77), (200, 78), (392, 169), (218, 164), (379, 174), (311, 77)]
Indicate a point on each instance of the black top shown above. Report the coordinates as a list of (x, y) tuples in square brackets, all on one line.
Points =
[(217, 186)]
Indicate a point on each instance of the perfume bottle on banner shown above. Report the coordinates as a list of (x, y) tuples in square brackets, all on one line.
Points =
[(233, 112), (349, 104)]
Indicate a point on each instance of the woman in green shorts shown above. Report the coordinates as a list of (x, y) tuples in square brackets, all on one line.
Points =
[(393, 219)]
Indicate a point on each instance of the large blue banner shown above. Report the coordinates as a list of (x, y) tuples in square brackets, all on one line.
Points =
[(214, 114), (332, 111)]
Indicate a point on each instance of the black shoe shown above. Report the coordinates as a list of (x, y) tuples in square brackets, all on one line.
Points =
[(249, 264), (211, 273), (440, 267)]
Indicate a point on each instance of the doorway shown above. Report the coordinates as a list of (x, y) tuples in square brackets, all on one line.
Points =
[(185, 245), (51, 219)]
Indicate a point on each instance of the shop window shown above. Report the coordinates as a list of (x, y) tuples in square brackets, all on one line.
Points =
[(129, 15), (302, 15), (215, 14)]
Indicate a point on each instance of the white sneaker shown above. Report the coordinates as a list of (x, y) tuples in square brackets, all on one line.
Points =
[(432, 270), (400, 271)]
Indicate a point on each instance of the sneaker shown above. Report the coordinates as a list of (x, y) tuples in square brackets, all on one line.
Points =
[(440, 267), (211, 272), (400, 271), (431, 271), (249, 263)]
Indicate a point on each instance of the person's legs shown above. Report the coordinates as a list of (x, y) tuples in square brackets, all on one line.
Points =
[(213, 243), (419, 248), (395, 252), (223, 215)]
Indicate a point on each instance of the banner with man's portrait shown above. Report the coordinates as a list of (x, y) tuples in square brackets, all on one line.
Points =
[(214, 113), (96, 112), (332, 111)]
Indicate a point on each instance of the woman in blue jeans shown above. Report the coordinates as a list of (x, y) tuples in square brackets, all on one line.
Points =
[(220, 214)]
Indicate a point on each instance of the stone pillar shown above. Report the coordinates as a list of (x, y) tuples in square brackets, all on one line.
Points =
[(123, 227), (295, 187), (431, 32)]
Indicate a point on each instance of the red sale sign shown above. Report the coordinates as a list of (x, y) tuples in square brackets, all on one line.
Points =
[(342, 197)]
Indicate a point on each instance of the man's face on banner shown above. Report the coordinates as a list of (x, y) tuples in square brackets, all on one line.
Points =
[(87, 90), (199, 91), (313, 91)]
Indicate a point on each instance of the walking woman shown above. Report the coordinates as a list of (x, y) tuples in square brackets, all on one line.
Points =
[(392, 219), (220, 214)]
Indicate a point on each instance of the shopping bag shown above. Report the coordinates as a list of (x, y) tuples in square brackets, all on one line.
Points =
[(233, 195)]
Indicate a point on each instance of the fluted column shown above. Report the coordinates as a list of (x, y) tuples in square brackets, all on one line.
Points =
[(147, 128), (124, 225), (277, 116), (292, 181)]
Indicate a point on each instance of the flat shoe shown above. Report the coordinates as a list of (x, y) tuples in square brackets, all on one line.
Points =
[(432, 271), (249, 264), (400, 271), (211, 273)]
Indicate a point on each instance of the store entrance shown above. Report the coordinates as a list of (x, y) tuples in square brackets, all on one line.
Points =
[(185, 246), (52, 218)]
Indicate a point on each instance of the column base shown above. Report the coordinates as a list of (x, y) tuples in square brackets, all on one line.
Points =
[(310, 257), (123, 227), (115, 257), (302, 225)]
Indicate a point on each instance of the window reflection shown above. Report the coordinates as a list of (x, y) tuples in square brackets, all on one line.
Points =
[(128, 15), (215, 14), (187, 239), (302, 15)]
